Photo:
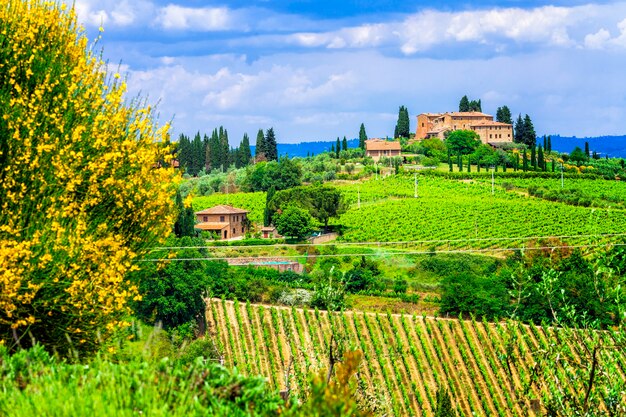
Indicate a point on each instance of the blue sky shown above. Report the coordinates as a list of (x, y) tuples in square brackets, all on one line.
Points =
[(315, 70)]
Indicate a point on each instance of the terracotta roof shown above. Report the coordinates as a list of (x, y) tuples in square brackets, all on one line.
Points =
[(222, 209), (489, 123), (382, 145), (212, 226), (469, 114)]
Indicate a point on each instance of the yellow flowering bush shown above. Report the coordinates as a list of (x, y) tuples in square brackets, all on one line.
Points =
[(83, 187)]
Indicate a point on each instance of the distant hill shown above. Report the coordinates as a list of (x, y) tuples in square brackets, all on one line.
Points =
[(310, 148), (613, 146)]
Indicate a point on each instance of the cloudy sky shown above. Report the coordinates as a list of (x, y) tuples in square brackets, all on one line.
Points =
[(315, 70)]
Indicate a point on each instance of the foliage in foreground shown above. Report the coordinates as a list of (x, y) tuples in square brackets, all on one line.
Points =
[(83, 189)]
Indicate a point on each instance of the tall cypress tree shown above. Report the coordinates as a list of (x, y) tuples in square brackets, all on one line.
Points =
[(271, 151), (530, 137), (267, 214), (525, 161), (519, 134), (533, 157), (362, 136), (344, 144), (587, 149), (549, 144), (260, 149), (184, 151), (337, 147), (464, 104), (540, 160), (244, 151), (197, 155), (224, 149), (214, 146), (403, 127)]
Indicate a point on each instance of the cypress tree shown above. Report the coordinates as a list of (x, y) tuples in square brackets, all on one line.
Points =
[(267, 214), (587, 149), (464, 104), (344, 144), (540, 160), (332, 148), (271, 151), (449, 161), (197, 155), (224, 149), (460, 163), (553, 165), (533, 157), (402, 129), (530, 137), (518, 136), (185, 222), (214, 150), (338, 148), (184, 151), (469, 164), (503, 115), (362, 136), (516, 161), (260, 148), (243, 153), (525, 161), (549, 148)]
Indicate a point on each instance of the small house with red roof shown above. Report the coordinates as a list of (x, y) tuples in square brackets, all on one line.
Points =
[(377, 148), (226, 221)]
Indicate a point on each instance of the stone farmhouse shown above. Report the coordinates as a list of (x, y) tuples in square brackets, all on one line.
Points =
[(377, 148), (435, 125), (226, 221)]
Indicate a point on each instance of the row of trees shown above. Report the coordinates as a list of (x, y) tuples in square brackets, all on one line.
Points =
[(208, 153), (465, 105)]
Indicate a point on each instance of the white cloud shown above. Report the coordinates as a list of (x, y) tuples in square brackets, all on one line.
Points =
[(113, 13), (198, 19), (597, 40)]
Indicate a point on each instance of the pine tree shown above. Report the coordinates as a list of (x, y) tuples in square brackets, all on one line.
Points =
[(475, 105), (271, 151), (344, 144), (464, 104), (530, 137), (503, 115), (337, 148), (362, 136), (519, 130), (260, 148)]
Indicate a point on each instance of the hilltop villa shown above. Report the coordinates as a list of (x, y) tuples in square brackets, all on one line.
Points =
[(377, 148), (435, 125), (226, 221)]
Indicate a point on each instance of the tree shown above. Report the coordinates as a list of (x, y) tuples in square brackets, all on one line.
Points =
[(529, 137), (66, 243), (403, 128), (362, 136), (184, 151), (260, 148), (184, 225), (540, 160), (475, 105), (294, 222), (322, 202), (224, 161), (503, 115), (344, 144), (577, 156), (267, 213), (549, 144), (518, 136), (533, 157), (337, 148), (271, 152), (462, 142), (587, 149), (197, 155), (173, 295), (464, 105), (244, 154)]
